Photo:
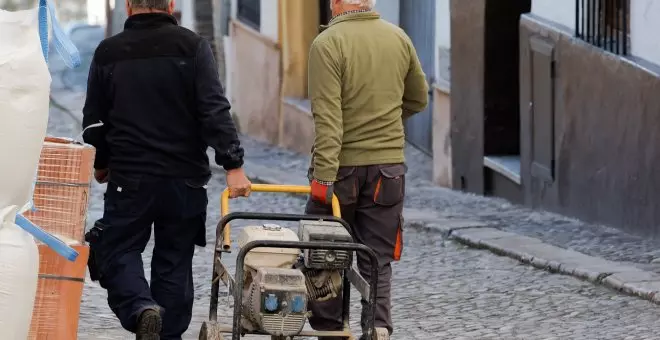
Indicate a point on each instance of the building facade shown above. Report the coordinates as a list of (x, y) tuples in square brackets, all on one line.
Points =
[(555, 106), (266, 57)]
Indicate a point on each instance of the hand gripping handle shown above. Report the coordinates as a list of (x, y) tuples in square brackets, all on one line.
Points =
[(286, 189)]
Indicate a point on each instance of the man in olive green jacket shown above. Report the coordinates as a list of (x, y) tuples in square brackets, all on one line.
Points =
[(365, 78)]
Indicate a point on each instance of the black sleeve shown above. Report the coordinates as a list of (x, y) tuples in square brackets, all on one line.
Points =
[(95, 113), (218, 129)]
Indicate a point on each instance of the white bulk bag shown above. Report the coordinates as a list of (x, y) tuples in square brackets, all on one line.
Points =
[(24, 102)]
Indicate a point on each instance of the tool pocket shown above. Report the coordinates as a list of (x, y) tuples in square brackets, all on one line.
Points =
[(346, 186), (390, 188)]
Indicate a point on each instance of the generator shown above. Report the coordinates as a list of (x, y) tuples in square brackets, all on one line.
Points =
[(274, 292), (279, 271), (322, 267)]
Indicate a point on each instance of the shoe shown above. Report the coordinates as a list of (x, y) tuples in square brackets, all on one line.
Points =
[(149, 325), (381, 334)]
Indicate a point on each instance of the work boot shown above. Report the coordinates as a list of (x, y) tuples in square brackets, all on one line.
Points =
[(149, 325), (381, 334)]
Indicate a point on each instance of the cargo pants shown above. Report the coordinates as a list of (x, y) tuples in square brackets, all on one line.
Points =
[(177, 210), (371, 199)]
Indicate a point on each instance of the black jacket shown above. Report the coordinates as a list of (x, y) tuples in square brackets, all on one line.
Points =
[(156, 90)]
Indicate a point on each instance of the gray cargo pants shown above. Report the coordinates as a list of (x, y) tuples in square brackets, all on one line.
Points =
[(371, 199)]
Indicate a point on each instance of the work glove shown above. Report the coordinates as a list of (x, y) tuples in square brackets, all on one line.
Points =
[(322, 191)]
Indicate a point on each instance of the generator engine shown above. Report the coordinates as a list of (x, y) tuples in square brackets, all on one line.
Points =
[(274, 293), (323, 268)]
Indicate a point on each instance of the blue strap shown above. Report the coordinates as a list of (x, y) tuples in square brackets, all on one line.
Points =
[(65, 48), (51, 241)]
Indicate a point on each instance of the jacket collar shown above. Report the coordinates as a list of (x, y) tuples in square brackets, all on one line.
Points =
[(355, 16), (149, 20)]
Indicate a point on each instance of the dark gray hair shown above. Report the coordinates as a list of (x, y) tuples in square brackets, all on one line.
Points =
[(161, 5)]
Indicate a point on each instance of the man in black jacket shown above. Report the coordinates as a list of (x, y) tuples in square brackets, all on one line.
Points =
[(154, 105)]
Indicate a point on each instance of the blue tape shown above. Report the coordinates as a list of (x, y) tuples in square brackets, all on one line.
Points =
[(51, 241)]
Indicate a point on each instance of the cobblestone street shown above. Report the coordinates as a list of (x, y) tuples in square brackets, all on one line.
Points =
[(443, 290)]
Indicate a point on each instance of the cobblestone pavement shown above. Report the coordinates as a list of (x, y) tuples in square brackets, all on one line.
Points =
[(442, 289), (455, 292)]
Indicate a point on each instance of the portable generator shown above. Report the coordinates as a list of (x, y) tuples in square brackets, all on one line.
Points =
[(278, 271)]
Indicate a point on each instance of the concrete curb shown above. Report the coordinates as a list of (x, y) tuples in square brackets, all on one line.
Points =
[(618, 276), (621, 277)]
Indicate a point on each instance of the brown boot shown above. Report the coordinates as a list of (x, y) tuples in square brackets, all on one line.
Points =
[(149, 325)]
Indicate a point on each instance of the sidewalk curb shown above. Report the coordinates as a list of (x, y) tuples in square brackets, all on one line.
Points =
[(618, 276)]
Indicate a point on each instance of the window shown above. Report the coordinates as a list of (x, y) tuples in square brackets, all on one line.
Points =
[(604, 23), (249, 12)]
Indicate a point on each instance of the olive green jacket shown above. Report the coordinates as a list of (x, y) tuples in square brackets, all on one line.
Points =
[(364, 79)]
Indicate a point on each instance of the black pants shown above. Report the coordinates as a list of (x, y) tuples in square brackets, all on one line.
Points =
[(177, 210)]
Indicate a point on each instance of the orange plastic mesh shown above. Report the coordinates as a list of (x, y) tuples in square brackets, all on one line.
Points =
[(59, 291), (62, 190)]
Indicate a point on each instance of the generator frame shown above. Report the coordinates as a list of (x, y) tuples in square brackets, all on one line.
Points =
[(213, 330)]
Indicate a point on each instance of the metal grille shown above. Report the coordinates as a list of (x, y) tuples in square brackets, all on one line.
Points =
[(249, 12), (604, 23)]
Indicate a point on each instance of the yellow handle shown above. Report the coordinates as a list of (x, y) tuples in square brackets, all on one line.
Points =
[(289, 189)]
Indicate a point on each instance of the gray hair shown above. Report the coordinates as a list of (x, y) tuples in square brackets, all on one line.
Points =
[(370, 4), (161, 5)]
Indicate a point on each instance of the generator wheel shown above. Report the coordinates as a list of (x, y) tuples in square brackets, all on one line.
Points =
[(210, 331)]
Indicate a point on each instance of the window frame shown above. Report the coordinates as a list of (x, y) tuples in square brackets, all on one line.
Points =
[(249, 13)]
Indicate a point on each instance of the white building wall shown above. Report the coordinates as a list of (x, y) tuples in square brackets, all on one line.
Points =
[(644, 23), (269, 17), (644, 28), (558, 11), (187, 8)]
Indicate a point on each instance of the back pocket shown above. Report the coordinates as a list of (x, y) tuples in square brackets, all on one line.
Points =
[(390, 188)]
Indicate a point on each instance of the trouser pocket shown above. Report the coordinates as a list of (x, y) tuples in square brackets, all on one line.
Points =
[(390, 187)]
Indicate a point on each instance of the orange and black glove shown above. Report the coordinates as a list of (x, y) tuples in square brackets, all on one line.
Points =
[(322, 191)]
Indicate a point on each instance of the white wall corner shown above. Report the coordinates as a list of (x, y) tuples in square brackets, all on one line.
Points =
[(269, 19)]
